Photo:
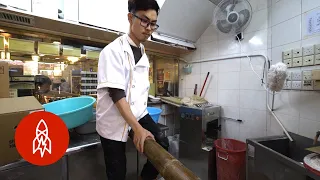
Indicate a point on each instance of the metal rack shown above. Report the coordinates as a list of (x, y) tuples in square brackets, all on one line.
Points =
[(89, 83)]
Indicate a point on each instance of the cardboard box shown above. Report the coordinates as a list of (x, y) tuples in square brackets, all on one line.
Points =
[(13, 93), (12, 111), (4, 80)]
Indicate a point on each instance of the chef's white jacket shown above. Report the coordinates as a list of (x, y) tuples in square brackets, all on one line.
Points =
[(117, 69)]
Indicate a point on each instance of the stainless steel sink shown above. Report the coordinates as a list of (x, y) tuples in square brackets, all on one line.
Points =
[(292, 150), (276, 158)]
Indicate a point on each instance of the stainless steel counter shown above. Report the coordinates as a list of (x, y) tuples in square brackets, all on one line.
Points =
[(81, 142), (77, 143), (276, 157)]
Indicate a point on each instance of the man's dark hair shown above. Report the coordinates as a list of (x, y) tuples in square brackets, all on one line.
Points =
[(142, 5), (63, 80)]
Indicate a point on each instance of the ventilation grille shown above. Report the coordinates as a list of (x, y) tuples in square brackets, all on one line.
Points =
[(17, 19)]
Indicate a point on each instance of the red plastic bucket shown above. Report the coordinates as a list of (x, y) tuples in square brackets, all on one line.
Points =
[(231, 159)]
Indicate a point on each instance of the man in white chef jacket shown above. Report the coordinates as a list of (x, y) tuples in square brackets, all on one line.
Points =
[(123, 86)]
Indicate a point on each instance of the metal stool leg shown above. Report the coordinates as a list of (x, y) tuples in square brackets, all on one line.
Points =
[(65, 168), (138, 170)]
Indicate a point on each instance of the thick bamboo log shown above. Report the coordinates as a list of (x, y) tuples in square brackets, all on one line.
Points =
[(168, 166)]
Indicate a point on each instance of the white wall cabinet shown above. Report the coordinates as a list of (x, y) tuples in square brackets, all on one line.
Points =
[(105, 13), (21, 4), (45, 8), (71, 11)]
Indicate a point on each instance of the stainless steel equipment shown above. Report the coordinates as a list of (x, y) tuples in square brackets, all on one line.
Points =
[(24, 85), (277, 157), (199, 127)]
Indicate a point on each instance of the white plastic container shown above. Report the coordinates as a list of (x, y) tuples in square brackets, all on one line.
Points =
[(174, 145)]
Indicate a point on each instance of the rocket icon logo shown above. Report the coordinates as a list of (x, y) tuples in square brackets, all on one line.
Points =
[(42, 142), (42, 138)]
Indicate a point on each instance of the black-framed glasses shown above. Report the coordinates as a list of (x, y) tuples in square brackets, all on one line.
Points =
[(145, 23)]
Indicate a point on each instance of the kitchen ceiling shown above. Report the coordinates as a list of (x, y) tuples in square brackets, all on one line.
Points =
[(185, 19)]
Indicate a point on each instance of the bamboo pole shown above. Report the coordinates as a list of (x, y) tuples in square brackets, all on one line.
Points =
[(168, 167)]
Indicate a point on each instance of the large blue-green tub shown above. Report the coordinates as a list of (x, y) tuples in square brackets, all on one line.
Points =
[(73, 111)]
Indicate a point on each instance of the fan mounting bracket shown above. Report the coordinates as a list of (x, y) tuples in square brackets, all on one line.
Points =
[(239, 37)]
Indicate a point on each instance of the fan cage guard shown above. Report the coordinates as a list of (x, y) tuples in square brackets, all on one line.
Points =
[(218, 12)]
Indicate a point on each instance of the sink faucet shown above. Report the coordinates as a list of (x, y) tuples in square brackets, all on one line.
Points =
[(316, 138)]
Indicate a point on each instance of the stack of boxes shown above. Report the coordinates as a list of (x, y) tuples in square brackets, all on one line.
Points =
[(12, 111), (4, 80)]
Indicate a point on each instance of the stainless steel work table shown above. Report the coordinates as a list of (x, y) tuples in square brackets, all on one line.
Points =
[(61, 170)]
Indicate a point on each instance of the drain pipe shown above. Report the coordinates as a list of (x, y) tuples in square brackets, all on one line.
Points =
[(278, 120), (268, 106)]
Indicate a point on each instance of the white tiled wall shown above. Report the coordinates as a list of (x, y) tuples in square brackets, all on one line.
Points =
[(232, 84), (276, 25), (298, 110)]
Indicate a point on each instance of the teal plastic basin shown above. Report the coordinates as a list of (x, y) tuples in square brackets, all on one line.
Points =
[(73, 111)]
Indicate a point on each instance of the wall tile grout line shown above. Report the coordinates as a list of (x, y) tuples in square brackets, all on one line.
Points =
[(285, 21), (301, 46)]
